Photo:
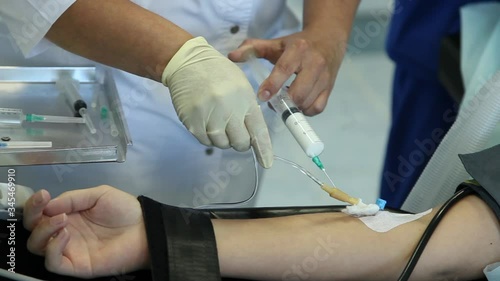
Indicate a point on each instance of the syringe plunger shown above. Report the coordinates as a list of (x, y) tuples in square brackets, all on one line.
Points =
[(297, 123), (291, 115), (70, 87)]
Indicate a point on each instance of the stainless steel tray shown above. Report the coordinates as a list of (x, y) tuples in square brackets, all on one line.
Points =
[(33, 90)]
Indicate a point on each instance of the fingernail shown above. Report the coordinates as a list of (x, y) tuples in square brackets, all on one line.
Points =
[(267, 163), (57, 220), (264, 95), (61, 233), (38, 199)]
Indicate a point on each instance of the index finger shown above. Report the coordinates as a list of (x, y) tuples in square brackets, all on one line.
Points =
[(75, 200), (259, 137), (33, 209), (285, 67)]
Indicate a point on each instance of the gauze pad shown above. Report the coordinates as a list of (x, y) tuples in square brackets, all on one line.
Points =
[(384, 221), (361, 209)]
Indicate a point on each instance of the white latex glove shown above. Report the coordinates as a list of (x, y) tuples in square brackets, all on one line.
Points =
[(215, 101)]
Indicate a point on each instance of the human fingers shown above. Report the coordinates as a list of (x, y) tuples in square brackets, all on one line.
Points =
[(55, 261), (76, 200), (261, 48), (216, 126), (238, 135), (318, 105), (44, 231), (34, 207), (311, 80), (259, 137), (288, 64)]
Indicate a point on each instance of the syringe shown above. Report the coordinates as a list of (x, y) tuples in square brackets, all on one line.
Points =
[(69, 87), (25, 144), (293, 118), (13, 117)]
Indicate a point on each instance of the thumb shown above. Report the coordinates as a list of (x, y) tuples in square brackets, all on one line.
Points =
[(261, 48), (75, 201)]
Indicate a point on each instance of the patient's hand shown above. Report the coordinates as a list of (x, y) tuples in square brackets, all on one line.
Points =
[(100, 232)]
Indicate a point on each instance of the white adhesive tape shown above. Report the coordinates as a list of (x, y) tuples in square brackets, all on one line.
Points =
[(384, 221)]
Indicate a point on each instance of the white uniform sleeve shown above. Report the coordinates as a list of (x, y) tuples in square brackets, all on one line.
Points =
[(29, 20)]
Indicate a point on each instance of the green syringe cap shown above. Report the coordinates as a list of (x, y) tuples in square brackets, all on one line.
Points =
[(33, 118), (318, 162), (104, 112)]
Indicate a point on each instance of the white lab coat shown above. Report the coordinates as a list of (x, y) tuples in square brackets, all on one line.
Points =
[(165, 162)]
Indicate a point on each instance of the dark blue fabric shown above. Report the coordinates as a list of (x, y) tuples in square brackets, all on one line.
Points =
[(422, 110), (416, 30), (422, 113)]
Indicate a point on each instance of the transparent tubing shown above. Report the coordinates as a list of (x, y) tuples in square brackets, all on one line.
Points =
[(471, 131), (236, 204), (300, 168)]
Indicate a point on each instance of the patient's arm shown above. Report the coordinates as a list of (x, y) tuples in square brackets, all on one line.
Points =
[(333, 246), (95, 225)]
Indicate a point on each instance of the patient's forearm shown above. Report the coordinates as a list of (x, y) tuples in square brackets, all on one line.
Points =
[(119, 33), (335, 246)]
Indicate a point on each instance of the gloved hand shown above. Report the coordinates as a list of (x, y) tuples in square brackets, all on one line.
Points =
[(215, 101)]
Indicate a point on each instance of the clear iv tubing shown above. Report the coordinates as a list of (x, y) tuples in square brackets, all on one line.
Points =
[(300, 168), (234, 204), (256, 165)]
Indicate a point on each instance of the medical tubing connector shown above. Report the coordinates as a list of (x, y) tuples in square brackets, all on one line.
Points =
[(412, 262), (290, 114)]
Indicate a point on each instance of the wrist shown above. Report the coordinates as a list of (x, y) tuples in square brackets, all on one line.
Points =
[(185, 53)]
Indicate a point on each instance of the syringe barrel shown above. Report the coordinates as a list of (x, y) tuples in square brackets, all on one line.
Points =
[(297, 123), (70, 87), (11, 117)]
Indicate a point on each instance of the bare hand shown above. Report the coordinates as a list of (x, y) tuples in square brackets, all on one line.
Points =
[(315, 61), (87, 233)]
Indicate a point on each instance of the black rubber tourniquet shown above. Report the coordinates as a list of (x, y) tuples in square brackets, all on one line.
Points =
[(484, 167), (181, 243)]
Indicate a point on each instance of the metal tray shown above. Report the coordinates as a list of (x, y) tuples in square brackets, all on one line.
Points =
[(33, 90)]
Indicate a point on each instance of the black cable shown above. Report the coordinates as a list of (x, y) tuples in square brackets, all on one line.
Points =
[(405, 275)]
